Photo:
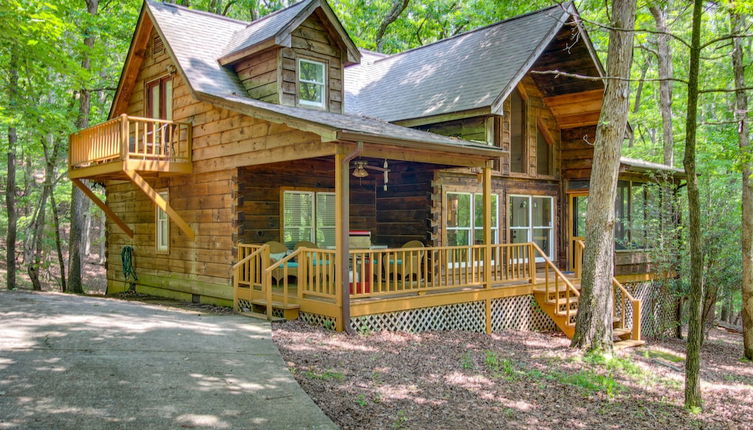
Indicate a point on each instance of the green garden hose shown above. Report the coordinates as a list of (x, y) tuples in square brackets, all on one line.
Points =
[(129, 272)]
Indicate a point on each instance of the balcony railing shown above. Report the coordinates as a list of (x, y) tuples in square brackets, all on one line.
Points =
[(130, 138)]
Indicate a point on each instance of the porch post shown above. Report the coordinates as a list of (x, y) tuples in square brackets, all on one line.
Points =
[(488, 242), (342, 228)]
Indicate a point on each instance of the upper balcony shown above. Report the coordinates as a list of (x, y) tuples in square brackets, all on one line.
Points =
[(130, 144)]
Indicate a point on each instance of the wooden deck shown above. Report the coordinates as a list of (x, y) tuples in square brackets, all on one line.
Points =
[(395, 280), (132, 148)]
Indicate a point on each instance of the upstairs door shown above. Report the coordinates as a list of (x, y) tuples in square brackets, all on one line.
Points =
[(576, 223)]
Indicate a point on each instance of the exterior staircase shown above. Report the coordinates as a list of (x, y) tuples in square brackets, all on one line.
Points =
[(561, 304)]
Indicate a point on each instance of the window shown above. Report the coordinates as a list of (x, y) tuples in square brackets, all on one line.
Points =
[(518, 156), (162, 228), (310, 216), (159, 98), (312, 76), (633, 207), (544, 153), (532, 220), (465, 219)]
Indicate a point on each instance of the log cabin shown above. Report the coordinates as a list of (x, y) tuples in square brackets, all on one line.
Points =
[(275, 167)]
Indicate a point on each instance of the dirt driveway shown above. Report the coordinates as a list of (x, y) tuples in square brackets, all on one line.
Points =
[(72, 362)]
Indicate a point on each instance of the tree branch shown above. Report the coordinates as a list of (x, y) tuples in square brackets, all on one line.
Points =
[(559, 73)]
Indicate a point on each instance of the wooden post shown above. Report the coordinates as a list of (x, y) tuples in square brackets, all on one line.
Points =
[(124, 137), (636, 332), (266, 280), (342, 228)]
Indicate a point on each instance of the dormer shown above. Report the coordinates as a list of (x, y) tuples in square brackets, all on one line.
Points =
[(294, 57)]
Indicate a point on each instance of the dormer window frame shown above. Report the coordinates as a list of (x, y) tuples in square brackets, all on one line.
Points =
[(308, 103)]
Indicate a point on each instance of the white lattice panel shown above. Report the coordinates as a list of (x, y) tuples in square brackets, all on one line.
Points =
[(461, 316), (244, 305), (317, 319), (519, 313), (657, 308)]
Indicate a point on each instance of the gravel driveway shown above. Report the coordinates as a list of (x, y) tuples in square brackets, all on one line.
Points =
[(74, 362)]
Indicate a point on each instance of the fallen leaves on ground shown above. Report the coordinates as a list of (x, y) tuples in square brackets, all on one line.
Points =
[(511, 380)]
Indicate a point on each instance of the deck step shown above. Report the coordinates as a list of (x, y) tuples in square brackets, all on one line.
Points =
[(276, 305), (620, 333), (629, 343), (259, 315)]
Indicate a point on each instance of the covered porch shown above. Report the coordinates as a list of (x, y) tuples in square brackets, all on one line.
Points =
[(319, 272)]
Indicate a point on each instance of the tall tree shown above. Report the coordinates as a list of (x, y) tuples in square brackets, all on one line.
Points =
[(693, 398), (593, 329), (741, 116), (10, 185), (664, 57), (398, 6), (79, 202)]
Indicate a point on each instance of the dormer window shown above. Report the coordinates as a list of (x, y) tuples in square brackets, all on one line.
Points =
[(312, 78)]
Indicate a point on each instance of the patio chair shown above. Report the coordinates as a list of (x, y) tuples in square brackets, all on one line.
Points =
[(410, 266), (277, 251)]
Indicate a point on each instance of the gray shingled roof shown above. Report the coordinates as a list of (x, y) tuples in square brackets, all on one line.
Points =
[(197, 39), (264, 28), (468, 71)]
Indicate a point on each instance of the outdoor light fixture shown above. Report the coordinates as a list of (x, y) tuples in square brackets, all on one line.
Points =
[(360, 170)]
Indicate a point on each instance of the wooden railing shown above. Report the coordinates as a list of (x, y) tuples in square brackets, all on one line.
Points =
[(578, 258), (419, 270), (556, 283), (623, 297), (248, 273), (131, 138)]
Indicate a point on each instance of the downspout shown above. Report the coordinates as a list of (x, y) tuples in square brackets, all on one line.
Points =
[(344, 244)]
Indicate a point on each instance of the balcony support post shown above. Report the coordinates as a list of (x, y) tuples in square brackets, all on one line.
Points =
[(106, 209), (161, 203)]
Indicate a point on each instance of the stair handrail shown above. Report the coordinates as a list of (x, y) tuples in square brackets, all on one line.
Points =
[(268, 279), (635, 330), (236, 269), (580, 248), (570, 291)]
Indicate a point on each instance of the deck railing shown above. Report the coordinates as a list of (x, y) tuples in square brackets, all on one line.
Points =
[(248, 274), (558, 287), (131, 138), (623, 298)]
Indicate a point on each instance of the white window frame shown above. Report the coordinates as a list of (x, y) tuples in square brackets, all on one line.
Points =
[(314, 215), (323, 84), (530, 228), (471, 229), (162, 226)]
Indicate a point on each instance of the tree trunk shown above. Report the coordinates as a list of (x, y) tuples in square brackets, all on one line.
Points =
[(10, 186), (39, 223), (398, 6), (58, 244), (593, 329), (693, 398), (741, 109), (665, 86), (79, 202)]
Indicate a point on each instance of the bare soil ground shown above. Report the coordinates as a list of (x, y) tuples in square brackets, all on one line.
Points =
[(513, 380)]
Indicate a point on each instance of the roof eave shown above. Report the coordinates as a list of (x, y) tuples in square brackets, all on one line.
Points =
[(476, 151), (497, 104)]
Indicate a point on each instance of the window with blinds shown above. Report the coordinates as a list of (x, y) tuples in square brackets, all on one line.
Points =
[(309, 216)]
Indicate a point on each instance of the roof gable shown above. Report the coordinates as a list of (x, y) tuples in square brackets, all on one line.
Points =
[(472, 71), (276, 29)]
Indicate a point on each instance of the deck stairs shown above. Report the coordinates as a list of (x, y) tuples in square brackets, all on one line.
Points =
[(555, 303)]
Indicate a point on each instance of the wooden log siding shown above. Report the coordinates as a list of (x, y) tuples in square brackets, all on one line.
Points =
[(207, 199), (260, 188), (312, 40), (404, 211)]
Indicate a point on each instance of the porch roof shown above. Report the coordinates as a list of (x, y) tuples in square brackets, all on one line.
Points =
[(643, 166)]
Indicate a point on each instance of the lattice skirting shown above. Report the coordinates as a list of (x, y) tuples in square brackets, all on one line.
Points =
[(317, 319), (657, 308), (246, 306), (520, 313), (461, 316)]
